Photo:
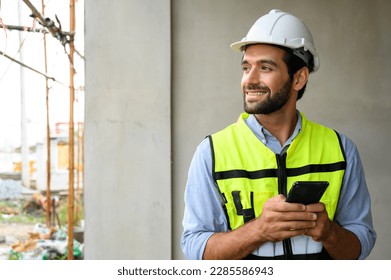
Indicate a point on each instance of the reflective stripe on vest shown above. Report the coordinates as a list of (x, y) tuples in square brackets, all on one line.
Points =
[(248, 173)]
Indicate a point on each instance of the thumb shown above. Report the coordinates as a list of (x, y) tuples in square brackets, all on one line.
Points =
[(277, 198)]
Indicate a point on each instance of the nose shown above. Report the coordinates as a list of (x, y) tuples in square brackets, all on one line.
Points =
[(251, 77)]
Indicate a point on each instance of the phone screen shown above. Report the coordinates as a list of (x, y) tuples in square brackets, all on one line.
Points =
[(307, 192)]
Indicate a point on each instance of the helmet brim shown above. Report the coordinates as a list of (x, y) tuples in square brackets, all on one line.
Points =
[(238, 47)]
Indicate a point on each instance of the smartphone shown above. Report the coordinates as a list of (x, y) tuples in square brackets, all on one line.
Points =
[(307, 192)]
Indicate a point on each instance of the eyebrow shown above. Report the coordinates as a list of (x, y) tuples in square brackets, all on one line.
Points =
[(262, 61)]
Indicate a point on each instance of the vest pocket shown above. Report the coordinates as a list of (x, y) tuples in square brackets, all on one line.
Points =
[(259, 200), (242, 208), (248, 212)]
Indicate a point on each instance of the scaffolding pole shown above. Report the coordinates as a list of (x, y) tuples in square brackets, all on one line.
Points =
[(65, 38), (24, 137), (48, 154), (71, 199)]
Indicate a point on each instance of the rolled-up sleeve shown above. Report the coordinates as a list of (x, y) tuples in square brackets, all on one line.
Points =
[(354, 206), (203, 214)]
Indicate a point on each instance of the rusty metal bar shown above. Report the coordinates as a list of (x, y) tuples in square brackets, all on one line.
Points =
[(48, 161), (71, 198)]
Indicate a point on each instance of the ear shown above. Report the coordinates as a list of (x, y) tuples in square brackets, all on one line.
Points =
[(300, 78)]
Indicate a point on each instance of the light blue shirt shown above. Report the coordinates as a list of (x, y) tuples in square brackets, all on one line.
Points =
[(204, 214)]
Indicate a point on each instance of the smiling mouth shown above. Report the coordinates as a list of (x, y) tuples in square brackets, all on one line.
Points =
[(256, 93)]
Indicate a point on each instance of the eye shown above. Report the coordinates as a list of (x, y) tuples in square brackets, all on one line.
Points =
[(246, 68), (266, 68)]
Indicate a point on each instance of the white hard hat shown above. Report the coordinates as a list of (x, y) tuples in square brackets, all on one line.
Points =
[(282, 29)]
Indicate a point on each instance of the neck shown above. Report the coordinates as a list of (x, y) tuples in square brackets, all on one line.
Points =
[(280, 124)]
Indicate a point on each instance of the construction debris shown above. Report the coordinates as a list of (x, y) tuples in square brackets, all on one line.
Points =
[(43, 244), (39, 241), (8, 210)]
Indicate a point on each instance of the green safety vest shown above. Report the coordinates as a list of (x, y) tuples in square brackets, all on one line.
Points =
[(248, 173)]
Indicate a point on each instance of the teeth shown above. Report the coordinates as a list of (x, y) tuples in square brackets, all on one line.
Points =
[(256, 93)]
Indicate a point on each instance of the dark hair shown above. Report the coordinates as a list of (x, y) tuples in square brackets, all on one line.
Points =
[(294, 64)]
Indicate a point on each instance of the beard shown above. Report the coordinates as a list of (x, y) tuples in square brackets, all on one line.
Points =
[(272, 103)]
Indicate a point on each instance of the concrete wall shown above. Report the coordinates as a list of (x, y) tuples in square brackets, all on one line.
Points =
[(127, 130), (132, 189)]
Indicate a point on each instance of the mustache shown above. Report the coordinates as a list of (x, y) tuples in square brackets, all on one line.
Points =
[(257, 87)]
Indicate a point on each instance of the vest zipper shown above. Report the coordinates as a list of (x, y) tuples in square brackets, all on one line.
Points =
[(282, 189)]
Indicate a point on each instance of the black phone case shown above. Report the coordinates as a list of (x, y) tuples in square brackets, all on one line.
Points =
[(307, 192)]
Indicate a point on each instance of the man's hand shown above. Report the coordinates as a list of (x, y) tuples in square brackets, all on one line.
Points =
[(340, 243), (281, 220), (322, 229)]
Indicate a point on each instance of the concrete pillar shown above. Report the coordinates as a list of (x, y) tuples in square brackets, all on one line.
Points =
[(127, 130)]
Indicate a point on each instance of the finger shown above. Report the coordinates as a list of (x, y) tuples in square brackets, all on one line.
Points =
[(279, 198), (314, 233), (301, 225), (297, 216), (294, 207), (295, 232), (278, 204), (297, 226), (315, 207), (282, 206)]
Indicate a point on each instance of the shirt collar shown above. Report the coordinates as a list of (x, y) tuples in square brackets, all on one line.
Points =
[(264, 136)]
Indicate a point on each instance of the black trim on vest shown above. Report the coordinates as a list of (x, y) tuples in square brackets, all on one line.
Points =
[(212, 151), (282, 173), (282, 189), (341, 145), (316, 168), (225, 210), (270, 173), (265, 173), (344, 156), (249, 213), (214, 177)]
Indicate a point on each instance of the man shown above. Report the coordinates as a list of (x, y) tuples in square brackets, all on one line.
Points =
[(239, 177)]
